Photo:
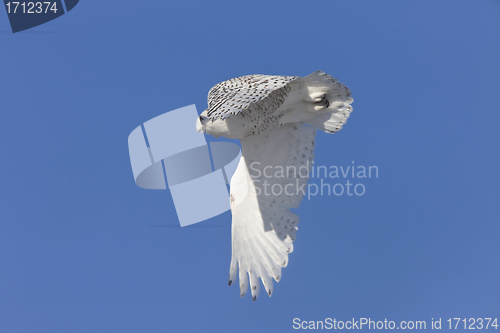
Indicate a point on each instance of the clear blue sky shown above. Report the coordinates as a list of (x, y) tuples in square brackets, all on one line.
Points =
[(80, 250)]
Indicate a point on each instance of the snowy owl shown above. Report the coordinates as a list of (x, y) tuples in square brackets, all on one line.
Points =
[(275, 118)]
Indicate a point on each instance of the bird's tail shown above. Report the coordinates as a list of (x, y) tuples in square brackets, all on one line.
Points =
[(334, 100)]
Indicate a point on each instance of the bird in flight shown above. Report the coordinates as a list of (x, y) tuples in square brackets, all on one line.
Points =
[(276, 119)]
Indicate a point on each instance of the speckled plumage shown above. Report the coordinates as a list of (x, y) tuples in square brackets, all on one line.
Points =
[(276, 119), (236, 95)]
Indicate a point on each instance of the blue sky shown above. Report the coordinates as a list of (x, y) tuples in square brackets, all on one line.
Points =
[(80, 249)]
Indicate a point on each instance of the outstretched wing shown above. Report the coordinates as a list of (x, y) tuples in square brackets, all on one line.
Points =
[(233, 96), (270, 179)]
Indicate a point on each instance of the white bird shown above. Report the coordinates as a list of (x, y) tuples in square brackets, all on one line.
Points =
[(275, 118)]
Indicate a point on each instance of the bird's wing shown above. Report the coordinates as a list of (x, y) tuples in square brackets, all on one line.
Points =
[(270, 179), (233, 96)]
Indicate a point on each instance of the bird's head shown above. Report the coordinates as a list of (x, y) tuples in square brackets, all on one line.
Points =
[(230, 127)]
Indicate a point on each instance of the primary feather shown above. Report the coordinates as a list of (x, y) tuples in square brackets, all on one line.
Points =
[(233, 96), (275, 118)]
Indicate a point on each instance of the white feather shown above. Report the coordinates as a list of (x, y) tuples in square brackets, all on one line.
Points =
[(275, 118), (265, 252)]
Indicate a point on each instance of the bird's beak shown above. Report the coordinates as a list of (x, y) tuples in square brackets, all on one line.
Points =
[(200, 123)]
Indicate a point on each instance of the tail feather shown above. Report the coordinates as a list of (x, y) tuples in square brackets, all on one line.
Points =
[(331, 122), (335, 99), (321, 101)]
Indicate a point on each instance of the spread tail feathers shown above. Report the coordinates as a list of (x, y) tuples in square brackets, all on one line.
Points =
[(335, 98)]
